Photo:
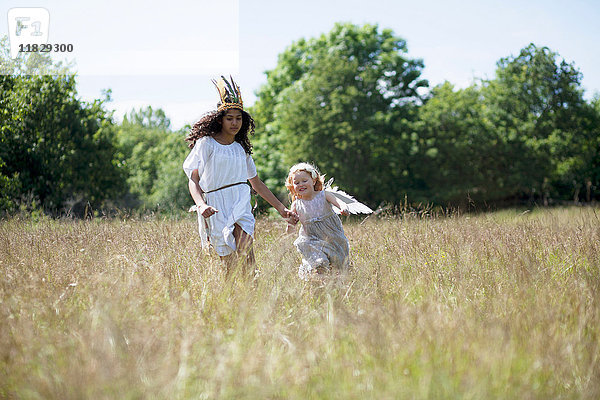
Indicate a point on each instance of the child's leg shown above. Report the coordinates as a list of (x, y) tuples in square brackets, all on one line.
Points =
[(243, 243)]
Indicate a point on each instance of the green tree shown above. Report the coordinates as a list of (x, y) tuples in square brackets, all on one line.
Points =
[(527, 135), (581, 171), (54, 149), (536, 104), (153, 156), (341, 101), (453, 149)]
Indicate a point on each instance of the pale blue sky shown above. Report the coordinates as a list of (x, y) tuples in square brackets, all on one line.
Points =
[(164, 53)]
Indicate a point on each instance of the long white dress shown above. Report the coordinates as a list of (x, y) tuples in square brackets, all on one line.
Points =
[(321, 240), (219, 165)]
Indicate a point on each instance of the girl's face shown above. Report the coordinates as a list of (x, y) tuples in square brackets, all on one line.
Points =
[(304, 185), (232, 122)]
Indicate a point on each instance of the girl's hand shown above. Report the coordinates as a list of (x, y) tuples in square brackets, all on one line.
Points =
[(291, 221), (206, 211), (290, 216), (344, 209)]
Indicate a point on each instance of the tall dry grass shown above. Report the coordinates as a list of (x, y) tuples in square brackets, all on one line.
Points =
[(492, 306)]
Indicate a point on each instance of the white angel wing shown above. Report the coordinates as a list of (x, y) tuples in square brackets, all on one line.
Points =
[(353, 205)]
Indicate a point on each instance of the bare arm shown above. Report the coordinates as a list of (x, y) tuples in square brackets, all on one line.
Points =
[(266, 194), (291, 223), (332, 200), (196, 192)]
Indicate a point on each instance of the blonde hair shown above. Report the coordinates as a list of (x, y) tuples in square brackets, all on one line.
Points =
[(309, 169)]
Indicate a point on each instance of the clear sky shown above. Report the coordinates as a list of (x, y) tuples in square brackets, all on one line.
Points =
[(164, 53)]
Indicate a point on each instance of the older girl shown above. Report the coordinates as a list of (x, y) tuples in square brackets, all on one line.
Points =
[(219, 168)]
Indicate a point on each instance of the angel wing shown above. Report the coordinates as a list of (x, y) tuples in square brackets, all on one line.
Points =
[(353, 205)]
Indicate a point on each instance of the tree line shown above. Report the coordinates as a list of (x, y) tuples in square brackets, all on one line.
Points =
[(65, 156), (351, 101)]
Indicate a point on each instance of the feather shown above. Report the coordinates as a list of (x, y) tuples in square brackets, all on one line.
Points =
[(231, 87), (220, 85), (193, 208), (237, 91), (231, 92), (353, 205)]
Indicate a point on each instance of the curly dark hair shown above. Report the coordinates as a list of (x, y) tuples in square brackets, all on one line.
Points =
[(210, 124)]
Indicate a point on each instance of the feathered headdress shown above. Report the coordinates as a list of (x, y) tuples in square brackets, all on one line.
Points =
[(229, 94)]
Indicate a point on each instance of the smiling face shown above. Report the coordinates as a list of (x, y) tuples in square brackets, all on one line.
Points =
[(232, 122), (303, 185)]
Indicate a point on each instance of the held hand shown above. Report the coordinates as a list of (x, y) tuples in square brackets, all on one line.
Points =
[(207, 211), (291, 221), (290, 216)]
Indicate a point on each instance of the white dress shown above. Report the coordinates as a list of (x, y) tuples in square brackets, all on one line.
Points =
[(321, 239), (219, 165)]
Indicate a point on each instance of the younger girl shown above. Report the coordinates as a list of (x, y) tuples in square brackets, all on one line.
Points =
[(321, 240)]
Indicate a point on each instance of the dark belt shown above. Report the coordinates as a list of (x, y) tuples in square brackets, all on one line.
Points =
[(252, 191), (230, 185)]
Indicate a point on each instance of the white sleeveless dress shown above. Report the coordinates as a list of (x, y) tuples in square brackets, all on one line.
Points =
[(219, 165), (321, 240)]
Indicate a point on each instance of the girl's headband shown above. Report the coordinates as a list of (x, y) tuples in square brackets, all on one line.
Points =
[(230, 95), (305, 167)]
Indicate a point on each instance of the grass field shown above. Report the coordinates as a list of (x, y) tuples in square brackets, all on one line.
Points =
[(502, 305)]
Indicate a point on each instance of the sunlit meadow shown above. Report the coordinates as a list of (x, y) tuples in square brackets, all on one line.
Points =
[(501, 305)]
